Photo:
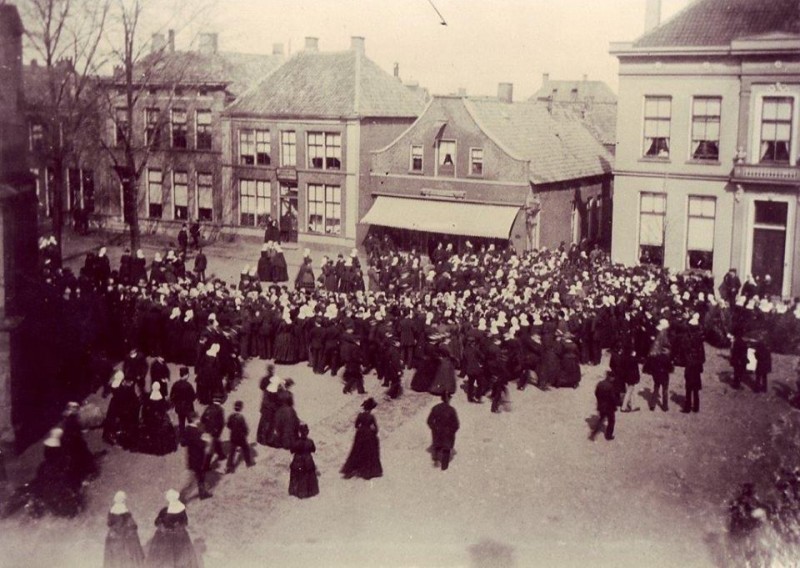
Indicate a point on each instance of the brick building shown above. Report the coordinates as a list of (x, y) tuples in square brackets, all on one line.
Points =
[(494, 169), (180, 98), (707, 172), (297, 145)]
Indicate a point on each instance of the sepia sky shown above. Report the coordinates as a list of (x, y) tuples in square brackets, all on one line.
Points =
[(484, 42)]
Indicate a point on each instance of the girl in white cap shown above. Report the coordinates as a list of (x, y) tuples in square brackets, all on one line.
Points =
[(171, 545), (123, 548)]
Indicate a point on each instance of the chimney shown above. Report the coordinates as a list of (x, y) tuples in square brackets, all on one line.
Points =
[(158, 43), (397, 70), (312, 44), (585, 77), (357, 44), (505, 92), (171, 40), (208, 44), (462, 92), (545, 78), (652, 14), (277, 49)]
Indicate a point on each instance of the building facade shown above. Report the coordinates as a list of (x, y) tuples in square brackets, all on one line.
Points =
[(297, 145), (177, 118), (707, 172), (494, 170)]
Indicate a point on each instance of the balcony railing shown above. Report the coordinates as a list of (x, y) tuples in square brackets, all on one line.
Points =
[(766, 173)]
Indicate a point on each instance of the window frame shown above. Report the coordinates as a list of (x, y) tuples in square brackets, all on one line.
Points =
[(178, 128), (412, 156), (259, 201), (662, 197), (263, 158), (447, 167), (705, 119), (35, 139), (185, 185), (659, 121), (324, 147), (288, 148), (200, 188), (151, 184), (777, 122), (203, 132), (473, 162), (152, 129), (247, 147), (702, 216), (325, 202), (120, 131)]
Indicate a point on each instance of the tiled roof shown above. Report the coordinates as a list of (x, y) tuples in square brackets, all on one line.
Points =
[(238, 71), (36, 84), (557, 144), (718, 22), (571, 91), (329, 85), (599, 118)]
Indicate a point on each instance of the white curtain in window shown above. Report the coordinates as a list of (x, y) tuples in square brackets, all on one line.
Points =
[(651, 231), (701, 234)]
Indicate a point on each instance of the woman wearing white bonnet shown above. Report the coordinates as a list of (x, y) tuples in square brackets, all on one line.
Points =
[(123, 547), (172, 545)]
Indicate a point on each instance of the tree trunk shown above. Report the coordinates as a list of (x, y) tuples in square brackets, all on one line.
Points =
[(58, 202), (129, 190)]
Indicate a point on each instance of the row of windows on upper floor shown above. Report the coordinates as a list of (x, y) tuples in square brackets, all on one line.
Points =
[(775, 134), (178, 128)]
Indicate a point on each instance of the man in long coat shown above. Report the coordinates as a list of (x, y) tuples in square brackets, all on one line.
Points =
[(443, 422)]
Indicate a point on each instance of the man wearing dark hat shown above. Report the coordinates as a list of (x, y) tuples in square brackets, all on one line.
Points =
[(607, 397), (213, 421), (443, 422), (239, 431), (196, 454), (183, 239)]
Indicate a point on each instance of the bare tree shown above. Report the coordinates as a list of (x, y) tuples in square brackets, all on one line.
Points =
[(139, 67), (66, 34)]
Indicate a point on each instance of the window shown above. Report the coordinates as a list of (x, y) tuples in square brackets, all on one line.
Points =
[(254, 202), (316, 149), (705, 128), (476, 161), (652, 210), (36, 135), (152, 134), (40, 195), (205, 197), (657, 114), (325, 209), (120, 126), (247, 147), (333, 151), (203, 128), (262, 148), (416, 158), (447, 156), (179, 139), (324, 150), (180, 187), (288, 148), (776, 129), (155, 197), (700, 233)]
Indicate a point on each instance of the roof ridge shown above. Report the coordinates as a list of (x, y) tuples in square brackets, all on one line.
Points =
[(468, 104)]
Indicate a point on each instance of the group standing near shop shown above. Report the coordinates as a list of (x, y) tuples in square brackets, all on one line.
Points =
[(490, 316)]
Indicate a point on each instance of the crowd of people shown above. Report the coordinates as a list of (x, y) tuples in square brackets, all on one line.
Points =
[(488, 315)]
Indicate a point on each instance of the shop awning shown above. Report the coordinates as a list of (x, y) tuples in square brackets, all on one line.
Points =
[(468, 219)]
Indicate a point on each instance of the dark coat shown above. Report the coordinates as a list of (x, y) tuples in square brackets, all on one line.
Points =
[(607, 397), (763, 359), (195, 448), (238, 427), (443, 422), (182, 397), (213, 419)]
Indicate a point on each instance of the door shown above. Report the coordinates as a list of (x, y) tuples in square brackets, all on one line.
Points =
[(288, 213), (769, 243)]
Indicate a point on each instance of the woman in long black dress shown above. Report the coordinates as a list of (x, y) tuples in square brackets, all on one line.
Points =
[(269, 405), (286, 342), (365, 457), (171, 546), (303, 471), (123, 548), (285, 421), (157, 435)]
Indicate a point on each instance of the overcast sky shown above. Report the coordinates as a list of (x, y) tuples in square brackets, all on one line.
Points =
[(484, 42)]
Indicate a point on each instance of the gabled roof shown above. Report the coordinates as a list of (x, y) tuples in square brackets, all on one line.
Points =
[(573, 91), (329, 85), (237, 71), (555, 142), (718, 22)]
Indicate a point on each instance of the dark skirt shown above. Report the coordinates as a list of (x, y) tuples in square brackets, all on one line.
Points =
[(424, 375), (303, 477), (158, 439), (171, 548), (123, 548), (285, 349), (365, 457)]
